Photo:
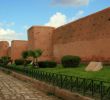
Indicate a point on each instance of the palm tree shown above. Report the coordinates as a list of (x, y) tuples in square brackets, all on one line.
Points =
[(35, 54), (31, 54), (25, 55)]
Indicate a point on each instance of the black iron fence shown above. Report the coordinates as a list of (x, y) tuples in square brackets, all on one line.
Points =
[(100, 90)]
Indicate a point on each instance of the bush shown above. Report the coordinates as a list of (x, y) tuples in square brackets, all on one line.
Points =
[(1, 61), (70, 61), (47, 64), (4, 60), (19, 61)]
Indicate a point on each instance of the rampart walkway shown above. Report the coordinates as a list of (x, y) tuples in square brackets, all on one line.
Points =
[(14, 89)]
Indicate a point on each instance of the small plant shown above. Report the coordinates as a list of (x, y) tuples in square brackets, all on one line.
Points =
[(47, 64), (25, 55), (70, 61), (5, 60), (35, 54)]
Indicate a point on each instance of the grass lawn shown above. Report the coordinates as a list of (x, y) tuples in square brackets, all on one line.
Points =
[(103, 74)]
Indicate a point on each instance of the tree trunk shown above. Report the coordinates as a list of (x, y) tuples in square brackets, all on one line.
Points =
[(37, 63), (24, 63), (33, 64)]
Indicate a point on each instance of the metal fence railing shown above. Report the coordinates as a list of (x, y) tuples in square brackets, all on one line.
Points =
[(100, 90)]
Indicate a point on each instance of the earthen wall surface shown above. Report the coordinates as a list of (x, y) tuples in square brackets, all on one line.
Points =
[(17, 47), (88, 37), (9, 51), (41, 38), (3, 48)]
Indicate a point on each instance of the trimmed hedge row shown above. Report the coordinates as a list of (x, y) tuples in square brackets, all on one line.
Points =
[(42, 64), (70, 61), (21, 62), (47, 64), (67, 61)]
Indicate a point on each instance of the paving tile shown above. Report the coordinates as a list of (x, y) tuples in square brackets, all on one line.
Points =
[(14, 89)]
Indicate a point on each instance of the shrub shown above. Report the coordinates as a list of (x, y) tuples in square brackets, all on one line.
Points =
[(47, 64), (70, 61), (1, 61), (19, 61), (5, 60)]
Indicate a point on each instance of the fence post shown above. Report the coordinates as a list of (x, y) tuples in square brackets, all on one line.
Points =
[(71, 84), (84, 86), (92, 87), (77, 84), (101, 90), (77, 88), (61, 84)]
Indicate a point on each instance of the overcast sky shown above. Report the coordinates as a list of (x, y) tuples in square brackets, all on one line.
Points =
[(16, 16)]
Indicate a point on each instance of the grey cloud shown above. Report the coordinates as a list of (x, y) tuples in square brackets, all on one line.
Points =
[(71, 2)]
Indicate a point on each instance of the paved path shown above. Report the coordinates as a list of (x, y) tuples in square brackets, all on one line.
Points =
[(14, 89)]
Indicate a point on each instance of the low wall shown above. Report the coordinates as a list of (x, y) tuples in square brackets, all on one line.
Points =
[(64, 94)]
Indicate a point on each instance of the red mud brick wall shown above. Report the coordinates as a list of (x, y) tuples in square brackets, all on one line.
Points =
[(17, 47), (9, 51), (4, 48), (40, 37), (87, 37)]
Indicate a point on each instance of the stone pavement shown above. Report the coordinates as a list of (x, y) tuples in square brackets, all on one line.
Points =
[(14, 89)]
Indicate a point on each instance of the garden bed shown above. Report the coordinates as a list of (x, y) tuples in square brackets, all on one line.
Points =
[(103, 74)]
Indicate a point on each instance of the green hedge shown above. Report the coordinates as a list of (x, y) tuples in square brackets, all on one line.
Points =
[(5, 60), (19, 61), (1, 61), (47, 64), (70, 61)]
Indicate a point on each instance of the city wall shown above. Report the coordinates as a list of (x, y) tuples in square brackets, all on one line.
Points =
[(88, 37), (4, 48), (16, 49)]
